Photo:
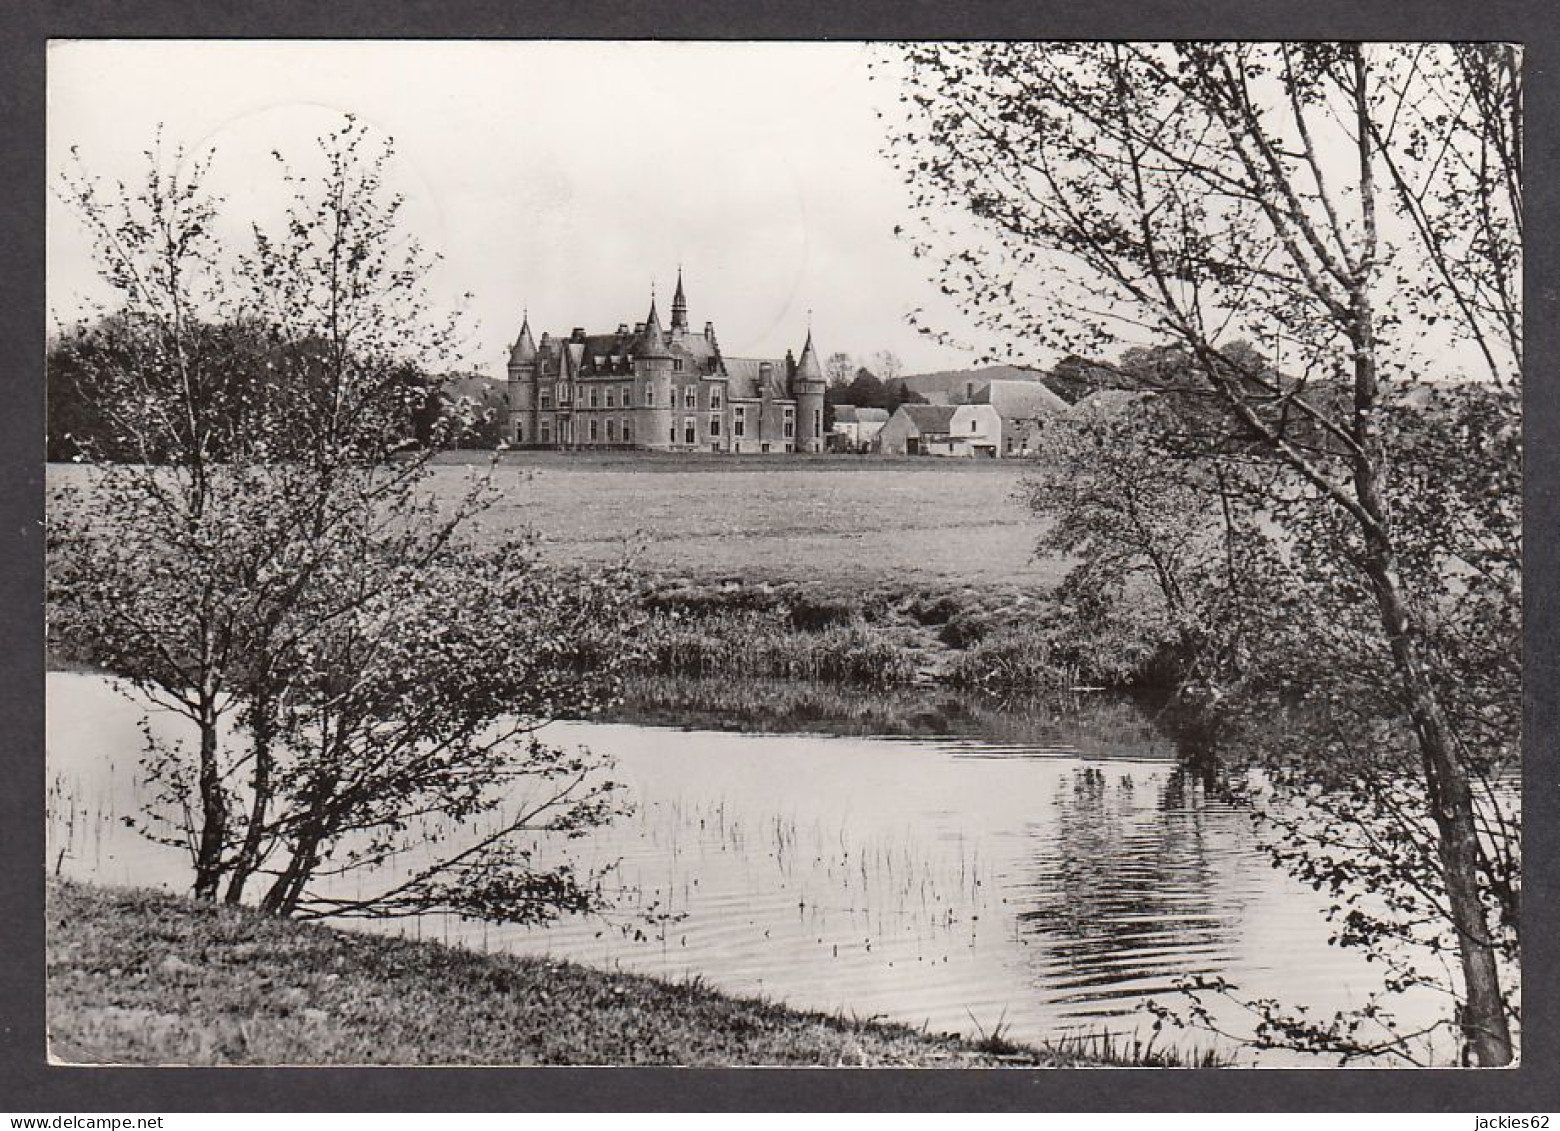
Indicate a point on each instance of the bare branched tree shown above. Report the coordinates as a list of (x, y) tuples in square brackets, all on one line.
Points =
[(1354, 210), (266, 558)]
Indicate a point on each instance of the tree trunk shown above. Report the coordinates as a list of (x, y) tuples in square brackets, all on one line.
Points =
[(1447, 789), (1450, 796), (248, 858), (213, 825), (282, 898)]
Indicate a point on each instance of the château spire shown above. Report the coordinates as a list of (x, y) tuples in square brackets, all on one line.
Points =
[(652, 343), (525, 347), (679, 306), (808, 369)]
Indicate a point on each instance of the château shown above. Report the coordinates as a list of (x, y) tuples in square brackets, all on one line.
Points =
[(665, 389)]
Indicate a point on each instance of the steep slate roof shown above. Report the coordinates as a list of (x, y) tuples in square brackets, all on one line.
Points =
[(652, 343), (850, 414), (930, 417), (747, 378), (808, 369), (525, 346), (1016, 400)]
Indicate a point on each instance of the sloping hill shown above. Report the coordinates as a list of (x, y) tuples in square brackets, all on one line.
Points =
[(957, 386)]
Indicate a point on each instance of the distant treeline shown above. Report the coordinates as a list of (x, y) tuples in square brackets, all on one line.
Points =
[(86, 387)]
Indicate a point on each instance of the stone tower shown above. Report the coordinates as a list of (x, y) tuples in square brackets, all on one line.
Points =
[(653, 384), (807, 385), (522, 387)]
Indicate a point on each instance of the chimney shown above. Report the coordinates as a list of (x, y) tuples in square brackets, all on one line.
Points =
[(622, 328), (709, 331), (639, 327), (578, 335)]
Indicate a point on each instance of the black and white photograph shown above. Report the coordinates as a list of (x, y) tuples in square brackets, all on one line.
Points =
[(944, 554)]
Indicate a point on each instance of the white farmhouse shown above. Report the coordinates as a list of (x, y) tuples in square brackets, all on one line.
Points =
[(942, 430)]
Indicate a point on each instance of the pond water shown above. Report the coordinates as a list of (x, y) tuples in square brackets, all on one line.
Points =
[(1048, 868)]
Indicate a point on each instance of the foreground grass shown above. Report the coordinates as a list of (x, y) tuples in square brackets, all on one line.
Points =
[(138, 977)]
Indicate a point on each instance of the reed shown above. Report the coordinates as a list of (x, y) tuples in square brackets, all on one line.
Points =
[(759, 644)]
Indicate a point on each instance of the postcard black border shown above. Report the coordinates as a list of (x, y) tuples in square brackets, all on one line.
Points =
[(28, 1084)]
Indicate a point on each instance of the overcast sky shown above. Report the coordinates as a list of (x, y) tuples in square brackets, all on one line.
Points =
[(560, 176)]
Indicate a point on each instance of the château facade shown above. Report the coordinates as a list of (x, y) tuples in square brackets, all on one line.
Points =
[(666, 389)]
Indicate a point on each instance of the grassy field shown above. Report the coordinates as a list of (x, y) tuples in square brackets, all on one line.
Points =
[(138, 977), (833, 521), (838, 522)]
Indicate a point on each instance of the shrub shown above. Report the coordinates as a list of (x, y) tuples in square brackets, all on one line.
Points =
[(811, 612)]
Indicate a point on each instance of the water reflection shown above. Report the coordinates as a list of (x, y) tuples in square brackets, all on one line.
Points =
[(1123, 892), (1096, 725), (921, 855)]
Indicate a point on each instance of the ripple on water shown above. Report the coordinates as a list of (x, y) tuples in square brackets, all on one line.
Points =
[(1059, 880)]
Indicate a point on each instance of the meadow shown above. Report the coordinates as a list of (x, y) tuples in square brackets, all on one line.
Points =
[(838, 523)]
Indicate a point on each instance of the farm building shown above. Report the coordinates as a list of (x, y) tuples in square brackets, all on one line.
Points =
[(854, 428), (942, 430), (1024, 407), (663, 389)]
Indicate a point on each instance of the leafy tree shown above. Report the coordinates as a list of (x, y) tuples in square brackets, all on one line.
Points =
[(896, 393), (1360, 208), (838, 369), (866, 391), (271, 563), (887, 365)]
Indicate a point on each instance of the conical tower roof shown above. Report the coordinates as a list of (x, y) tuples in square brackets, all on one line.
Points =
[(524, 349), (652, 342), (808, 369)]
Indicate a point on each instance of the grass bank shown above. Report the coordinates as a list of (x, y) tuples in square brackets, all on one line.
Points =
[(998, 641), (137, 977)]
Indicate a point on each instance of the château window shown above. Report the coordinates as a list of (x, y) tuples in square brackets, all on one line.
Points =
[(547, 398), (595, 427), (519, 431), (611, 430), (611, 397), (690, 396), (628, 431), (739, 421), (649, 394), (790, 423), (715, 399), (547, 431), (677, 364), (690, 431), (972, 426), (593, 398), (817, 422), (714, 426)]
